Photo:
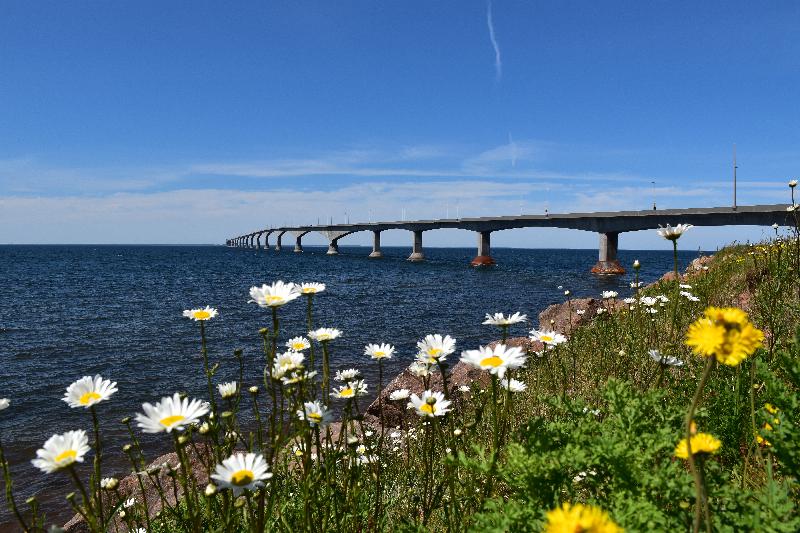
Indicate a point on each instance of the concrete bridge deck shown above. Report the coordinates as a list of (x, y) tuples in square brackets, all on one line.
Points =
[(607, 224)]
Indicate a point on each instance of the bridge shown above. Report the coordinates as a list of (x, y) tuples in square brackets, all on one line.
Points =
[(608, 225)]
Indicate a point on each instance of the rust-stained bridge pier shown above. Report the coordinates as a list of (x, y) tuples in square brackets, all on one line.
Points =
[(607, 224)]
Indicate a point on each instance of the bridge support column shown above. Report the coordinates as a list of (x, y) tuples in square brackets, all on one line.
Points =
[(416, 250), (484, 257), (298, 244), (258, 241), (607, 263), (266, 241), (333, 247), (376, 245), (278, 242)]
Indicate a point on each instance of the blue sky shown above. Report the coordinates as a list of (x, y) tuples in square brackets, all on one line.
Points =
[(184, 122)]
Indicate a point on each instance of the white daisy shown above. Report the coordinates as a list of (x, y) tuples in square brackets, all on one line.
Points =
[(379, 351), (435, 348), (662, 359), (314, 413), (464, 388), (607, 295), (636, 284), (296, 376), (324, 334), (286, 362), (400, 394), (227, 390), (88, 391), (130, 502), (662, 298), (629, 301), (419, 369), (496, 360), (430, 404), (350, 390), (311, 288), (298, 344), (4, 403), (347, 375), (241, 472), (580, 311), (649, 301), (498, 319), (170, 413), (685, 286), (109, 483), (61, 451), (277, 294), (547, 337), (513, 385), (673, 234), (601, 310), (200, 314)]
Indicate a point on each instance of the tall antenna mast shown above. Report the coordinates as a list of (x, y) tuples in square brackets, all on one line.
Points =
[(734, 176)]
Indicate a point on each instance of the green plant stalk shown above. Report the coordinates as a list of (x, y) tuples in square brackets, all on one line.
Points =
[(204, 352), (696, 474), (98, 457), (185, 481), (326, 371), (87, 502), (12, 504)]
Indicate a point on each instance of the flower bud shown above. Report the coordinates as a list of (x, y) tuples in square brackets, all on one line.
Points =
[(183, 439), (263, 331), (253, 390), (109, 483), (636, 264), (457, 432), (127, 448), (126, 420), (226, 414), (237, 353), (204, 428), (211, 489)]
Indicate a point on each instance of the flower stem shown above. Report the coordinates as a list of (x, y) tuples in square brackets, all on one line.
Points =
[(696, 473), (98, 457)]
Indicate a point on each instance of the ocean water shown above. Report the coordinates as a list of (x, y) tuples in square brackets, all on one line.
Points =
[(70, 311)]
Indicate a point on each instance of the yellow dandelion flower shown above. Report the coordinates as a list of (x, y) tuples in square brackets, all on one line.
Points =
[(701, 443), (724, 333), (762, 441), (580, 518), (771, 409)]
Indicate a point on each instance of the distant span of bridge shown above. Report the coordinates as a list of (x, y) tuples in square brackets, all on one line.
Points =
[(608, 225)]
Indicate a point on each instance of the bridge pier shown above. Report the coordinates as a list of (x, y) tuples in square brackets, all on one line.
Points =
[(416, 250), (607, 263), (278, 242), (258, 241), (298, 244), (376, 245), (484, 257), (266, 240), (333, 247)]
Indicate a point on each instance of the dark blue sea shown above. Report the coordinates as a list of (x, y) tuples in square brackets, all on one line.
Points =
[(70, 311)]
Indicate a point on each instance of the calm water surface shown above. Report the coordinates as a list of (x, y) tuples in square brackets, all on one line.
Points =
[(70, 311)]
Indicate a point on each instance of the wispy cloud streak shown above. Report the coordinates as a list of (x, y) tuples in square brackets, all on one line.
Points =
[(498, 62)]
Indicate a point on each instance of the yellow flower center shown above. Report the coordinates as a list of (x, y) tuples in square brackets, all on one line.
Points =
[(171, 420), (315, 417), (546, 338), (298, 346), (202, 315), (380, 354), (433, 352), (492, 361), (309, 290), (242, 478), (69, 455), (427, 408), (347, 392), (271, 299), (87, 397)]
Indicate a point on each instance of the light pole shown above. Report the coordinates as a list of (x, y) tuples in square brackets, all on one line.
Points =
[(734, 176), (653, 184)]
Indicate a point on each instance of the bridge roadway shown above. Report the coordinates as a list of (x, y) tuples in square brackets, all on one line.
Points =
[(607, 224)]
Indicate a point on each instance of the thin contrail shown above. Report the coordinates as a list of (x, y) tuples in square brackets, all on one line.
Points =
[(498, 63)]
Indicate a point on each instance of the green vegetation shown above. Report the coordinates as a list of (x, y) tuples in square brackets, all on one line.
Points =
[(665, 412)]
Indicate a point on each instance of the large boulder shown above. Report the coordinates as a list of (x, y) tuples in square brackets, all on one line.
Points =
[(395, 413), (567, 316)]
